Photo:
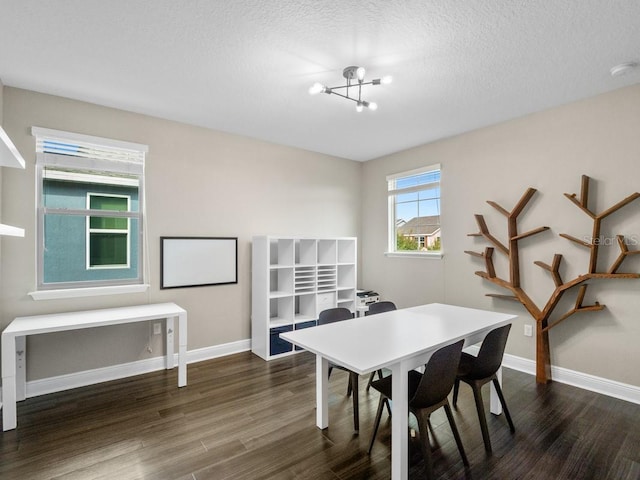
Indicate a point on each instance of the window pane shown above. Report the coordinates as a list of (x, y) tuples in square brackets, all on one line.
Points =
[(108, 223), (65, 252), (98, 202), (428, 208), (108, 249)]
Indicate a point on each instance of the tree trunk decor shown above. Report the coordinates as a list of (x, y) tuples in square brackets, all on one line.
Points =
[(542, 315)]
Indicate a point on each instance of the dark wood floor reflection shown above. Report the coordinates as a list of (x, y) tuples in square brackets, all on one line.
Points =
[(243, 418)]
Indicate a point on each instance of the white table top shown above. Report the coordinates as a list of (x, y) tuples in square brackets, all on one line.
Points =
[(90, 318), (365, 344)]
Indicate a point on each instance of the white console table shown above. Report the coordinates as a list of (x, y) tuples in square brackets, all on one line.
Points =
[(14, 343)]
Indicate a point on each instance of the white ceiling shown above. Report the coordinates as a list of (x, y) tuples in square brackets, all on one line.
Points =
[(245, 66)]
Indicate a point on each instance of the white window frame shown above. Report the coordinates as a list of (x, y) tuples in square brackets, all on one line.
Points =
[(90, 230), (392, 192), (95, 154)]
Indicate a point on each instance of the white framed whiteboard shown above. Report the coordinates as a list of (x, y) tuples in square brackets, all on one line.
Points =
[(198, 261)]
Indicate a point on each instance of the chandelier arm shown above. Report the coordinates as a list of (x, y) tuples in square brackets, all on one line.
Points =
[(344, 96), (347, 86)]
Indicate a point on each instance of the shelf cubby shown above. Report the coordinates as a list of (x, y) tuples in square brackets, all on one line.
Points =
[(280, 281), (326, 252), (305, 251)]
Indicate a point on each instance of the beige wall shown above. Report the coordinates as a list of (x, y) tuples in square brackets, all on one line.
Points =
[(193, 173), (198, 182), (549, 151)]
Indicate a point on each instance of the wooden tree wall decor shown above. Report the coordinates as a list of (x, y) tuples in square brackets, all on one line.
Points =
[(542, 315)]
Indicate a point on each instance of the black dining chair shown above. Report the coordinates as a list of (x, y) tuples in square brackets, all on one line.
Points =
[(336, 315), (427, 393), (476, 371), (378, 307)]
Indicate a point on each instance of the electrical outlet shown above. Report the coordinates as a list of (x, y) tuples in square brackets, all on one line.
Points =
[(528, 330), (157, 328)]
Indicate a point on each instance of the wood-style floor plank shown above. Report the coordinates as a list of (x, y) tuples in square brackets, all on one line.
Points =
[(241, 418)]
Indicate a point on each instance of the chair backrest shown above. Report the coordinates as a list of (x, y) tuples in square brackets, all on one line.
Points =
[(334, 315), (439, 376), (380, 307), (491, 352)]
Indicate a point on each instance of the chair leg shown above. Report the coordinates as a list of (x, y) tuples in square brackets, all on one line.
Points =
[(496, 384), (353, 383), (372, 377), (456, 387), (376, 423), (423, 420), (456, 435), (477, 395)]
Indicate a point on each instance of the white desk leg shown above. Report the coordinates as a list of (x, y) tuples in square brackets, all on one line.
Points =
[(9, 419), (322, 392), (399, 422), (21, 368), (494, 402), (169, 329), (182, 350)]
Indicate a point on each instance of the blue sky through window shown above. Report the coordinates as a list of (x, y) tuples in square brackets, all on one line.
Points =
[(421, 203)]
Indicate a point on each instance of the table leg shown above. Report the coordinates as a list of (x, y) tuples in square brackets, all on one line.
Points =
[(399, 422), (182, 350), (9, 419), (169, 350), (494, 402), (21, 368), (322, 392)]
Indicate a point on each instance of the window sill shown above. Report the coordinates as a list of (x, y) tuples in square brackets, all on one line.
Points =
[(429, 255), (87, 292)]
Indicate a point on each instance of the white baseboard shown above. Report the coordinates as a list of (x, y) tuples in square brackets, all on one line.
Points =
[(611, 388)]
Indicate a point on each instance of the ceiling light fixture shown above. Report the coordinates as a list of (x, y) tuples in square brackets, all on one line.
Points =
[(355, 80)]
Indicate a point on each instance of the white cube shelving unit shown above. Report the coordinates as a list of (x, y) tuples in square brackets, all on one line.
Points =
[(293, 280)]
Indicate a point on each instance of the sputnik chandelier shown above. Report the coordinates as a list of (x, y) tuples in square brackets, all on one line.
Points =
[(355, 81)]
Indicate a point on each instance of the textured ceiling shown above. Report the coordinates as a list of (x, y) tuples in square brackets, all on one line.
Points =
[(245, 66)]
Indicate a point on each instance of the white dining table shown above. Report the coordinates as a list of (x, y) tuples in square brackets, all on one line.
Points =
[(400, 341)]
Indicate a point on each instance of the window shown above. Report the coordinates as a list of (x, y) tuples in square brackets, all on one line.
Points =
[(414, 211), (108, 238), (90, 211)]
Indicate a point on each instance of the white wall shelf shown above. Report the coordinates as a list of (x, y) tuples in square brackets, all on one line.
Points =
[(10, 231), (293, 280), (10, 157), (9, 154)]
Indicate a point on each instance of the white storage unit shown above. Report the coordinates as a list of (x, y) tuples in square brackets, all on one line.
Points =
[(293, 280)]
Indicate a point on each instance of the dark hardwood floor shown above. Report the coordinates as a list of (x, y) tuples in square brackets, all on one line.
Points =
[(243, 418)]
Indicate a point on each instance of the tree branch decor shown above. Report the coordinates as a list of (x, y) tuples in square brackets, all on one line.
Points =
[(543, 314)]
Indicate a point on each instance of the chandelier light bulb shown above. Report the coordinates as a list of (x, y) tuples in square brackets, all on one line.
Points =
[(316, 88), (360, 74), (386, 80), (359, 107), (373, 106)]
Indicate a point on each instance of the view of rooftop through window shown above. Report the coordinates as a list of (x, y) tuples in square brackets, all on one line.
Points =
[(416, 211)]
